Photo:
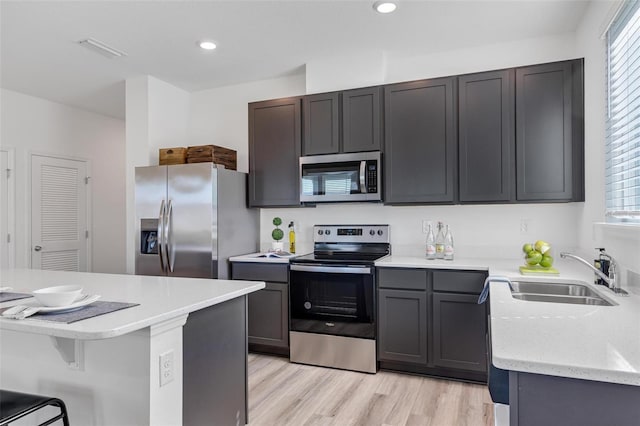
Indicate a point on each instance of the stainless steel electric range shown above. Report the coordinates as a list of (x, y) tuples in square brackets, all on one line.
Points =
[(333, 297)]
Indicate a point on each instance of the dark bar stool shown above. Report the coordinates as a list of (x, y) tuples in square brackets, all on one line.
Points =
[(15, 405)]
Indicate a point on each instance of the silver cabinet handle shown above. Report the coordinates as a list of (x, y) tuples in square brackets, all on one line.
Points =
[(37, 248), (161, 236), (171, 253)]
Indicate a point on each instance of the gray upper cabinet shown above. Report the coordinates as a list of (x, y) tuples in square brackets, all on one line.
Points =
[(420, 143), (361, 123), (549, 132), (274, 149), (486, 136), (321, 124)]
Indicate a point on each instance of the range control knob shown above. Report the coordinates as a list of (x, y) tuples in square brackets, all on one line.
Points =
[(320, 232), (327, 232), (372, 232), (379, 231)]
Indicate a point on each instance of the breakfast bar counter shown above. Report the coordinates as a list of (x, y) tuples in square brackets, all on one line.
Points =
[(178, 357)]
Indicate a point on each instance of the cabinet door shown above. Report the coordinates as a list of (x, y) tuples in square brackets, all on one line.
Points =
[(420, 142), (361, 121), (274, 151), (486, 106), (321, 124), (402, 326), (544, 133), (269, 315), (459, 332)]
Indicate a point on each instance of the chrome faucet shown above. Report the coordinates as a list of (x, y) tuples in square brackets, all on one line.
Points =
[(611, 279)]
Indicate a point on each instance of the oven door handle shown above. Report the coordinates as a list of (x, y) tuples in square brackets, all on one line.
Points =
[(362, 270)]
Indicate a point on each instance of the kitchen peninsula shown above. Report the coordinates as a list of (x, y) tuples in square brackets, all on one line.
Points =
[(179, 357)]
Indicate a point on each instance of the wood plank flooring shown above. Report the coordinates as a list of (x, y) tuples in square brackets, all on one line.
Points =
[(283, 393)]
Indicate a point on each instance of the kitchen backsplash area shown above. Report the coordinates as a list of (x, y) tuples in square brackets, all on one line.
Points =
[(484, 231)]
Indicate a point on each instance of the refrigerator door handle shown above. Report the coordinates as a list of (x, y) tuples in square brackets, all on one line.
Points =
[(160, 238), (171, 253)]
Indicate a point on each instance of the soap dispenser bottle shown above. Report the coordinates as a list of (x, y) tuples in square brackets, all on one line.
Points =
[(602, 263)]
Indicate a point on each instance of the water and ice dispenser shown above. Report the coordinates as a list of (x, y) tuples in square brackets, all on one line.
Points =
[(149, 236)]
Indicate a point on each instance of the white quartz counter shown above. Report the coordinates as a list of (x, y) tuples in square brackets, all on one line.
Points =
[(263, 258), (160, 299), (599, 343)]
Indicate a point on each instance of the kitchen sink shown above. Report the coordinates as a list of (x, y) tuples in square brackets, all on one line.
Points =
[(557, 292)]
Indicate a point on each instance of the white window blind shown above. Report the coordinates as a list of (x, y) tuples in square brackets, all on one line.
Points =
[(623, 116)]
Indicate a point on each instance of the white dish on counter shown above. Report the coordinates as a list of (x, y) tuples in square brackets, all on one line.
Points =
[(63, 295), (81, 302)]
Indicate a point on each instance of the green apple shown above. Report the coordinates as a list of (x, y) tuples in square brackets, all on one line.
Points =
[(533, 257), (527, 248), (542, 246), (547, 261)]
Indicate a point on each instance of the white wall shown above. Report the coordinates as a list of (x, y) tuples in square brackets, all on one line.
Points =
[(623, 242), (34, 125), (479, 230), (157, 117)]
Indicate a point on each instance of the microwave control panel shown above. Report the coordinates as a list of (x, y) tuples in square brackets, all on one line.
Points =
[(372, 176)]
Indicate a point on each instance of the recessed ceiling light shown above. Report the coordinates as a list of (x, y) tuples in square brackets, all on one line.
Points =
[(384, 6), (207, 45)]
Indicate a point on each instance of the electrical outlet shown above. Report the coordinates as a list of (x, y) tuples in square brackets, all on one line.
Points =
[(166, 368), (425, 225), (524, 226)]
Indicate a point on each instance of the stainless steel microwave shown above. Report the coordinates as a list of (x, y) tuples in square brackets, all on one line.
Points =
[(341, 177)]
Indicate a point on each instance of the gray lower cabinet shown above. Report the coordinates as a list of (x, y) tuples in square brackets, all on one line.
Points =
[(429, 322), (420, 144), (268, 309), (550, 132), (275, 137), (402, 330), (459, 328)]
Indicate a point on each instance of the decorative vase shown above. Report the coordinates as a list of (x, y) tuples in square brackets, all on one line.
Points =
[(277, 246)]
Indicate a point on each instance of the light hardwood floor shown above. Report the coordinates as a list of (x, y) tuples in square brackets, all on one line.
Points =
[(283, 393)]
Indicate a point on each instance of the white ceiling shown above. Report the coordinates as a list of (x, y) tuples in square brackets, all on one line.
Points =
[(257, 39)]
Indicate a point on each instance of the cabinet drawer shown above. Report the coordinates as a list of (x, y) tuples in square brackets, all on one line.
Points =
[(459, 281), (260, 272), (408, 279)]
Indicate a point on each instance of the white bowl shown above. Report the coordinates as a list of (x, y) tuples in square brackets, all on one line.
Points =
[(62, 295)]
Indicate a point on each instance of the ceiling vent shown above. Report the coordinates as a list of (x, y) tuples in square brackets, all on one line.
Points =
[(101, 48)]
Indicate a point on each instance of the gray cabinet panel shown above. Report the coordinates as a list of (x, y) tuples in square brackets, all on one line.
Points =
[(458, 281), (486, 136), (321, 124), (459, 332), (420, 142), (401, 278), (276, 272), (274, 149), (268, 315), (361, 123), (402, 327), (214, 366), (544, 134)]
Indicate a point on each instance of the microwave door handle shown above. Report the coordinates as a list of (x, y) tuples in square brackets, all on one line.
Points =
[(363, 180)]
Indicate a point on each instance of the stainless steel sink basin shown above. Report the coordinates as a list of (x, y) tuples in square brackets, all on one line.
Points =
[(556, 292)]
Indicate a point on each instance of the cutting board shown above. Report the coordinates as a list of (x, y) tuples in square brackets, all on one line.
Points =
[(530, 270)]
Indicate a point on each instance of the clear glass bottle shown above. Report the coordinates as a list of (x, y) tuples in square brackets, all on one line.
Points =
[(440, 242), (448, 245), (431, 244)]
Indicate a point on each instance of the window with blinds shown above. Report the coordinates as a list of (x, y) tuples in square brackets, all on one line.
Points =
[(623, 116)]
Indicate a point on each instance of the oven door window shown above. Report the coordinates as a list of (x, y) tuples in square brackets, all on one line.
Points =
[(331, 179), (333, 303)]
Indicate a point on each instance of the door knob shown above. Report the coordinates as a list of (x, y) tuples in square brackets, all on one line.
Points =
[(37, 248)]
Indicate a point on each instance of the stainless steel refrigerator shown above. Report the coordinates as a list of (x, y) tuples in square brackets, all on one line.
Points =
[(190, 218)]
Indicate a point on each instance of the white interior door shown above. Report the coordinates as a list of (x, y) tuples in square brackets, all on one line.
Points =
[(59, 233), (6, 212)]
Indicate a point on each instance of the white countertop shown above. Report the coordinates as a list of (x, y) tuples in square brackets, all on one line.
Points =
[(599, 343), (263, 258), (160, 299)]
